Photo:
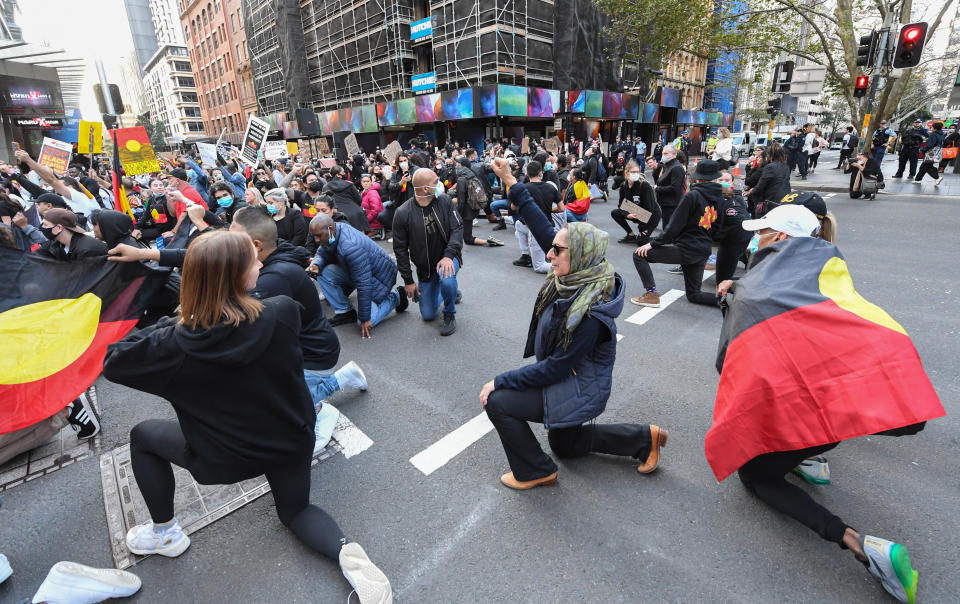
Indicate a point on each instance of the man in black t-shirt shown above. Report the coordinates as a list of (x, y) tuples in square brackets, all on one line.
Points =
[(547, 197)]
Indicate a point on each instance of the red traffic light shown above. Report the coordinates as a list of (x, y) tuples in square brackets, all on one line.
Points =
[(863, 81), (860, 86), (910, 34), (910, 45)]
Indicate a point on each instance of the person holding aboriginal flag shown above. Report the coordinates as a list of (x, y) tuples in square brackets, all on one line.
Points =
[(805, 362)]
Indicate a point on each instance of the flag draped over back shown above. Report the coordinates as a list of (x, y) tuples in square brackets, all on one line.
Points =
[(120, 201), (806, 361), (56, 320)]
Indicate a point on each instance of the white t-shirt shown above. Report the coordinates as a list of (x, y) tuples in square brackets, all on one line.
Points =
[(846, 141), (80, 203), (808, 142)]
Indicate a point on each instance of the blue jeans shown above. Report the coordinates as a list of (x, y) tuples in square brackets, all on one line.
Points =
[(320, 383), (879, 152), (438, 290), (336, 286), (500, 204), (571, 217)]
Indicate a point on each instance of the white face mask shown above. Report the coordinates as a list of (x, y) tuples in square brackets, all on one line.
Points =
[(634, 176), (404, 165)]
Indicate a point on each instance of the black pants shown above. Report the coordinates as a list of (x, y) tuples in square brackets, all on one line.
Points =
[(799, 159), (927, 168), (510, 410), (670, 254), (155, 444), (620, 217), (467, 214), (386, 217), (666, 212), (813, 159), (907, 155), (729, 251), (844, 156)]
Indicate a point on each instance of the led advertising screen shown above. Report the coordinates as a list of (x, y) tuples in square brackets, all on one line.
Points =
[(594, 104), (684, 116), (555, 101), (669, 97), (485, 101), (512, 100), (651, 113), (576, 101), (29, 95), (387, 113), (539, 103), (368, 118), (291, 130), (631, 107), (407, 111), (715, 118), (699, 117), (427, 106), (457, 104), (612, 104)]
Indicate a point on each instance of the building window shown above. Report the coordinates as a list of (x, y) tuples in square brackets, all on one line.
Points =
[(220, 67), (188, 97), (216, 6), (226, 58), (230, 117), (203, 15), (186, 82), (219, 98), (233, 23), (216, 43)]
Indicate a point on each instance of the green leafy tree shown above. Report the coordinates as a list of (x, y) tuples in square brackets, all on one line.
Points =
[(156, 131)]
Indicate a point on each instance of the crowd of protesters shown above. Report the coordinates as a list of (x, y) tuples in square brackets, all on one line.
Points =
[(256, 249)]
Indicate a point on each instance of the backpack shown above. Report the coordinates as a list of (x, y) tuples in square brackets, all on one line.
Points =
[(854, 141), (476, 194), (601, 171)]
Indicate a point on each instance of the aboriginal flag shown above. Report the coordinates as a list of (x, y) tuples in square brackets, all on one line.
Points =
[(56, 321), (806, 361)]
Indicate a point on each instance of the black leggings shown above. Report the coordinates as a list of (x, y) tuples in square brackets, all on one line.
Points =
[(156, 443), (671, 254), (620, 217), (510, 410), (467, 214), (729, 251), (927, 168)]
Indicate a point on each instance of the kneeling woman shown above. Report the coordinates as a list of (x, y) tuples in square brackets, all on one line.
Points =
[(232, 368), (573, 335)]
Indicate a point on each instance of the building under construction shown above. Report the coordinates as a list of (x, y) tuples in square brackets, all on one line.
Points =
[(276, 51)]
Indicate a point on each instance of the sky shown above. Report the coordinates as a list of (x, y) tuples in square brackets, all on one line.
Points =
[(88, 30)]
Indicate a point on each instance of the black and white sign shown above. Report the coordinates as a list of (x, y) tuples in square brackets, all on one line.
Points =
[(253, 140)]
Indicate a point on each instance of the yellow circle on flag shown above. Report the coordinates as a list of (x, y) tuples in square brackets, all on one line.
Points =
[(132, 146), (43, 338)]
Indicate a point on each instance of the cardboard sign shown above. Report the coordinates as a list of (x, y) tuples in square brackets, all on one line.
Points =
[(136, 153), (631, 208), (293, 147), (392, 151), (553, 144), (328, 162), (55, 155), (323, 147), (275, 150), (208, 154), (253, 140), (525, 146), (351, 144), (85, 132)]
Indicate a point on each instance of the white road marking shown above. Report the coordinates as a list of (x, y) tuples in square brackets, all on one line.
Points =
[(619, 336), (439, 453), (645, 314), (829, 195), (708, 274), (390, 240), (350, 437)]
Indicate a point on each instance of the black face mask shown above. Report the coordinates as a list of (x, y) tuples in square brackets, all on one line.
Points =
[(48, 233)]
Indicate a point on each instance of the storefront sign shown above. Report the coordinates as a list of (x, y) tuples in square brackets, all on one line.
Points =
[(38, 123), (424, 81), (421, 30)]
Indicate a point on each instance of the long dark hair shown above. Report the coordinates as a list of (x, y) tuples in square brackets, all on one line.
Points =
[(775, 153)]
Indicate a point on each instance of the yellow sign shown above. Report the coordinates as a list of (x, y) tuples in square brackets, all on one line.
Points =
[(866, 125), (86, 131), (292, 148)]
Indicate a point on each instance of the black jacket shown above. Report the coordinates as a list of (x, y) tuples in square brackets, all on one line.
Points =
[(670, 183), (283, 275), (226, 214), (399, 193), (81, 246), (692, 223), (348, 201), (238, 391), (640, 193), (115, 228), (590, 169), (774, 183), (410, 237), (913, 138), (292, 227)]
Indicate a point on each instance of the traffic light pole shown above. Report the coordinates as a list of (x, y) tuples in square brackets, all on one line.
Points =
[(881, 56)]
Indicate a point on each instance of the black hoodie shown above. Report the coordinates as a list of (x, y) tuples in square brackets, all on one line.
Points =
[(283, 275), (347, 199), (115, 227), (238, 391), (693, 222)]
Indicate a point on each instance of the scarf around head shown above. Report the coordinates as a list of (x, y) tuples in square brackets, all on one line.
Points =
[(591, 278)]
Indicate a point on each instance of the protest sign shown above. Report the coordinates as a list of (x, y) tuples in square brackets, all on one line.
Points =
[(274, 150), (293, 148), (136, 153), (525, 145), (253, 140), (553, 144), (631, 208), (323, 147), (55, 155), (392, 151), (87, 132), (208, 154), (351, 144)]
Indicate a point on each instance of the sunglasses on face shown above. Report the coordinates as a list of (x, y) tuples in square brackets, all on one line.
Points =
[(557, 248)]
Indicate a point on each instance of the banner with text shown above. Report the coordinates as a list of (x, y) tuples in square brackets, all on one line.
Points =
[(253, 140), (275, 150), (55, 155)]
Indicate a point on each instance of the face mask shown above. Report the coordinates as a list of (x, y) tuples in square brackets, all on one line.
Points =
[(225, 202), (271, 209), (634, 176), (191, 174), (333, 236), (439, 190), (217, 177), (47, 232), (726, 185), (754, 243), (404, 165), (548, 166)]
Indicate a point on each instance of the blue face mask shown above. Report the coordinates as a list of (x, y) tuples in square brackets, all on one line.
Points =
[(225, 202), (333, 237), (439, 190), (271, 209), (548, 166), (725, 184), (754, 244), (191, 174)]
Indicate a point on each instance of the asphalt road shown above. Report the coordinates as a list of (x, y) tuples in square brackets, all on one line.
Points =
[(605, 533)]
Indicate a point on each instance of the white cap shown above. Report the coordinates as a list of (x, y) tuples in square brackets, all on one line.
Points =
[(792, 219)]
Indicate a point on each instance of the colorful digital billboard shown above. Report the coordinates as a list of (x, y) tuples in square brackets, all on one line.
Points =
[(651, 113), (485, 101), (555, 101), (427, 106), (539, 103), (291, 130), (387, 113), (699, 117), (631, 107), (594, 104), (612, 104), (669, 97), (457, 104), (576, 101), (512, 100), (684, 116), (407, 111), (715, 118), (368, 121)]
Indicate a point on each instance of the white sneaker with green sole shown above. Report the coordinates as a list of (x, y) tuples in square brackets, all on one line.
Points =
[(889, 562)]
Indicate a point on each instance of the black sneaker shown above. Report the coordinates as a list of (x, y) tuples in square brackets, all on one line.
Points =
[(501, 226), (631, 238), (343, 318), (449, 324), (459, 297), (675, 270), (83, 418), (404, 302), (523, 260)]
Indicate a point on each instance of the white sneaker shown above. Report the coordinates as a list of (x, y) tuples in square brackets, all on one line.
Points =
[(939, 180), (144, 540), (371, 585), (327, 416), (889, 562), (351, 376), (475, 222), (5, 569), (73, 583), (814, 470)]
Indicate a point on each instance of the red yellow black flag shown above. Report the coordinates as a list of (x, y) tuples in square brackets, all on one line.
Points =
[(805, 360)]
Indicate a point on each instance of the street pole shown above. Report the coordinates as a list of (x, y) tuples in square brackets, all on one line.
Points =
[(878, 67)]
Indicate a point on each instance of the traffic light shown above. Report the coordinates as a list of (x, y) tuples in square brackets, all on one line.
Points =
[(118, 107), (773, 107), (782, 76), (860, 87), (867, 51), (910, 45)]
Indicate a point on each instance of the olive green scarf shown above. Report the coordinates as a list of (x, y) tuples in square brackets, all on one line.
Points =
[(591, 277)]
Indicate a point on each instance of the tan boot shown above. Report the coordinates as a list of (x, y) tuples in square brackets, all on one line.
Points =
[(648, 299), (658, 438), (519, 485)]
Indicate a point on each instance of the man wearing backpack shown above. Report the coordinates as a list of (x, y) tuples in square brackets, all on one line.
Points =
[(470, 197), (850, 143), (881, 136), (795, 156)]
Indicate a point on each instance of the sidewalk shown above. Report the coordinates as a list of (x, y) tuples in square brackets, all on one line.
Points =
[(828, 180)]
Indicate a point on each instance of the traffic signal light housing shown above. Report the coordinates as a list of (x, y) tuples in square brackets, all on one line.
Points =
[(860, 86), (910, 45), (782, 76), (867, 51), (773, 107), (118, 107)]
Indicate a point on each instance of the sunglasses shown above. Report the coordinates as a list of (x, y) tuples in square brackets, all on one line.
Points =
[(557, 248)]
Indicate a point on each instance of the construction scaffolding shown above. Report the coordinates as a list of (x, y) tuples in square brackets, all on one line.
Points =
[(275, 44), (357, 51), (478, 42)]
